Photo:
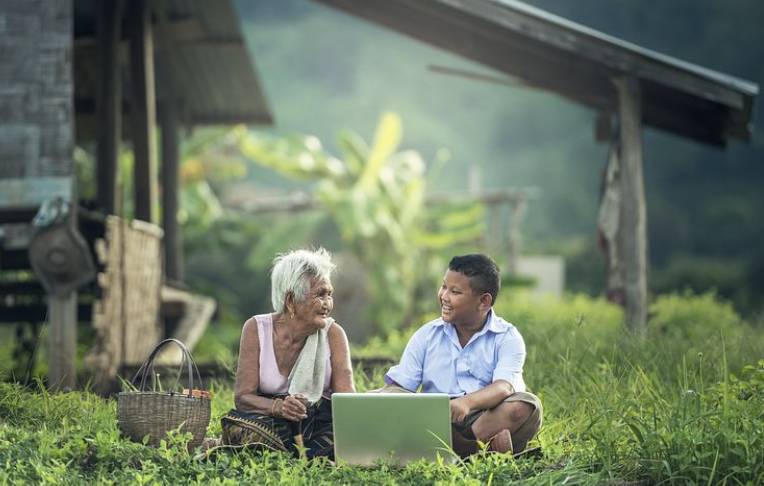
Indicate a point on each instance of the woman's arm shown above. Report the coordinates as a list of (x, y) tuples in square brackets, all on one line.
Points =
[(342, 370), (246, 398)]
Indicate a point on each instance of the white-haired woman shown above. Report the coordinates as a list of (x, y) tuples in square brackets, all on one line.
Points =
[(290, 362)]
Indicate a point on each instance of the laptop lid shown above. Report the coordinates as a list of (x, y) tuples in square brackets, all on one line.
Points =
[(395, 427)]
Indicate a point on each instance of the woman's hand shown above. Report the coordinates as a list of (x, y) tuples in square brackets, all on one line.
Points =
[(293, 408)]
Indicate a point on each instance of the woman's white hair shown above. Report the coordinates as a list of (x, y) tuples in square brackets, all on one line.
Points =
[(293, 271)]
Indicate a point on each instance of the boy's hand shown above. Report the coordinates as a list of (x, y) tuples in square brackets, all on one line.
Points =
[(459, 409)]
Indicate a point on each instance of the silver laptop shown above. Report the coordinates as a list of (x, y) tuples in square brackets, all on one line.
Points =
[(392, 427)]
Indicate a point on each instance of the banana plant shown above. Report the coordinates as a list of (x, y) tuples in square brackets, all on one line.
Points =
[(375, 195)]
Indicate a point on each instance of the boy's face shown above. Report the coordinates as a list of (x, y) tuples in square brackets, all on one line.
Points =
[(459, 304)]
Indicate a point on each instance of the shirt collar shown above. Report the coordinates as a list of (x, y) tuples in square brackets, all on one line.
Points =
[(494, 324)]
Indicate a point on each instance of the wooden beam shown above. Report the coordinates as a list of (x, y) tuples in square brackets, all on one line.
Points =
[(169, 119), (39, 312), (143, 108), (18, 214), (229, 118), (608, 224), (632, 238), (173, 249), (11, 289), (570, 60), (197, 313), (14, 259), (62, 342), (300, 201), (109, 98), (515, 239), (212, 42)]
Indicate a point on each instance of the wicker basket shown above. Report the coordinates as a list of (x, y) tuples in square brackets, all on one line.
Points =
[(154, 413)]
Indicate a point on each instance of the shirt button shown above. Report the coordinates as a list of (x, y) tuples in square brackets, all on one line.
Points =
[(462, 365)]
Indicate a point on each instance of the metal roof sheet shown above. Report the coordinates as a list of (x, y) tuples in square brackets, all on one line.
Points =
[(201, 62), (551, 53)]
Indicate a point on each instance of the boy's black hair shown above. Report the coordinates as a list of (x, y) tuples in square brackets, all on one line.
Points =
[(482, 271)]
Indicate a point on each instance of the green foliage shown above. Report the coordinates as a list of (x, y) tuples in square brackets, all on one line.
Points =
[(221, 342), (85, 173), (701, 200), (390, 345), (375, 199), (666, 409), (219, 264), (692, 318), (751, 385), (616, 410), (663, 407), (733, 279)]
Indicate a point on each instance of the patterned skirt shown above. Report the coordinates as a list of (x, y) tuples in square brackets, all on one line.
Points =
[(260, 431)]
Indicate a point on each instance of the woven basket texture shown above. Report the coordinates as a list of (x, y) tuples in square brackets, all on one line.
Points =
[(156, 413)]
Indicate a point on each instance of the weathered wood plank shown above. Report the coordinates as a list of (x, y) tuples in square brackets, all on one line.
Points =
[(62, 342), (173, 250), (299, 201), (25, 288), (143, 108), (197, 313), (39, 313), (632, 227), (18, 214), (126, 315), (20, 193), (36, 140), (109, 101), (608, 225)]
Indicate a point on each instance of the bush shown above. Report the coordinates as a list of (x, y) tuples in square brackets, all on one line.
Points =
[(693, 318), (677, 407)]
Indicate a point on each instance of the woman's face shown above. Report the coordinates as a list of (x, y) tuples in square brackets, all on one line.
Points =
[(318, 303)]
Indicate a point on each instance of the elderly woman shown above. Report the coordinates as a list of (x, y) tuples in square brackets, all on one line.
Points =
[(290, 363)]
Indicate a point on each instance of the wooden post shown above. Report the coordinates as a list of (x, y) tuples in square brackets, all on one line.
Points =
[(608, 224), (173, 256), (632, 238), (517, 210), (109, 101), (142, 108), (62, 342)]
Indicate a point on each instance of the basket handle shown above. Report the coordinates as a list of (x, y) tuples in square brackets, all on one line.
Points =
[(147, 368)]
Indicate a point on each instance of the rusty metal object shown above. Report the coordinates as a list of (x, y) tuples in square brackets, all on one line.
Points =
[(58, 253)]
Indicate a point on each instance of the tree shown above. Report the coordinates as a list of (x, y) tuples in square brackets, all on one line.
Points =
[(375, 197)]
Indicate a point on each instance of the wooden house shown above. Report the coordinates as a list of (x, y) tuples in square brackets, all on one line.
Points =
[(106, 72)]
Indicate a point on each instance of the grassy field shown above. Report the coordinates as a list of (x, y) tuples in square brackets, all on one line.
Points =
[(683, 406)]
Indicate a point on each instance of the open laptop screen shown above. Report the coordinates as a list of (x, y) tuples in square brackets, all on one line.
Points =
[(395, 427)]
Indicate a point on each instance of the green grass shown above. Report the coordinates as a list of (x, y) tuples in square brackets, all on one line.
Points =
[(684, 406)]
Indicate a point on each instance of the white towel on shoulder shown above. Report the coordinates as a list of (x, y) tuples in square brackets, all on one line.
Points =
[(308, 373)]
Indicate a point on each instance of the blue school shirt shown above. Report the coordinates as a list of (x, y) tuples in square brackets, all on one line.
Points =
[(434, 358)]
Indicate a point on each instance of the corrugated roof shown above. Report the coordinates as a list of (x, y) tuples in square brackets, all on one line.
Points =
[(551, 53), (201, 62), (210, 63)]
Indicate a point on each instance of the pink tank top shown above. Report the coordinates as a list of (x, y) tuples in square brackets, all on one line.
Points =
[(272, 382)]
